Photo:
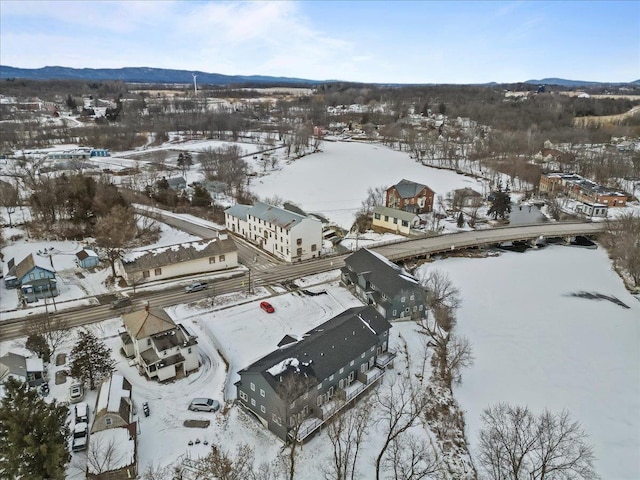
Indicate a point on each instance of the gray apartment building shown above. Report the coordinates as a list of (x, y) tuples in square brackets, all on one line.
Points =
[(297, 388), (376, 281)]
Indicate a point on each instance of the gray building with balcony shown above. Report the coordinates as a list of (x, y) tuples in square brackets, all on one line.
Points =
[(294, 390), (395, 293)]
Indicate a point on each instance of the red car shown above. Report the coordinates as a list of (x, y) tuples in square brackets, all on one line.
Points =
[(266, 306)]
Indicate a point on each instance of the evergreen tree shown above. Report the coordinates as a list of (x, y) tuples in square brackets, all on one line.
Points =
[(184, 161), (201, 197), (37, 344), (500, 203), (71, 104), (33, 434), (460, 220), (91, 359)]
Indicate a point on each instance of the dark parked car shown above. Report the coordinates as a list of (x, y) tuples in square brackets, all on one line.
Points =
[(120, 303)]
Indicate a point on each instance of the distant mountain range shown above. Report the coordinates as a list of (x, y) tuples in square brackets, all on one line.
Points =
[(143, 75), (163, 75), (576, 83)]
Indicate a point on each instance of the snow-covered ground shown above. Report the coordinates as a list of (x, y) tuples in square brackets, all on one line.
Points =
[(334, 182), (534, 345), (537, 345)]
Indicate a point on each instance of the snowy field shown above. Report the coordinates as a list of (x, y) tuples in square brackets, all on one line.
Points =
[(334, 182), (537, 345)]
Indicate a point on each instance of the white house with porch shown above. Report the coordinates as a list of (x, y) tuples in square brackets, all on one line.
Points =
[(394, 220), (161, 348)]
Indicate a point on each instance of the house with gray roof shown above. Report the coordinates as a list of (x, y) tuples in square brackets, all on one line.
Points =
[(376, 281), (26, 369), (284, 234), (299, 386), (394, 220), (410, 196), (34, 277), (182, 259)]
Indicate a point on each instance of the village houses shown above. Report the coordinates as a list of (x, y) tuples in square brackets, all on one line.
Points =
[(299, 386), (161, 348), (376, 281), (189, 258), (286, 235)]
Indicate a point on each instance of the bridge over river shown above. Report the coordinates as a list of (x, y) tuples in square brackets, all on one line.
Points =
[(479, 238)]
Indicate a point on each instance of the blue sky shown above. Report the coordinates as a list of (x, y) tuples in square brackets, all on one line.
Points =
[(379, 41)]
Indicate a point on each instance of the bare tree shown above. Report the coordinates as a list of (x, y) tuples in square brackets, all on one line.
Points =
[(623, 241), (375, 196), (515, 444), (346, 432), (441, 293), (224, 465), (410, 458), (53, 328), (103, 455), (399, 407), (114, 233)]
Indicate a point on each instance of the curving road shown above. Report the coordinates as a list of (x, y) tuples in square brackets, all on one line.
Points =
[(266, 273)]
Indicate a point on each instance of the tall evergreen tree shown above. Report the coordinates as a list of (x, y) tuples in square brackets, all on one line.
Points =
[(201, 197), (91, 359), (500, 203), (33, 434), (185, 160)]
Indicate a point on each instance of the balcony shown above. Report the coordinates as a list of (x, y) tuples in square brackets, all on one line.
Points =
[(331, 408), (384, 359)]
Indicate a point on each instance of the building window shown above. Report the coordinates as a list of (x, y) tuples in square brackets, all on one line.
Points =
[(107, 421), (189, 350), (243, 396), (262, 393), (319, 400), (148, 341), (319, 386), (412, 298), (253, 402), (212, 259), (395, 312), (146, 274), (262, 409), (222, 258), (395, 221), (157, 271), (299, 251), (299, 241), (351, 363), (330, 377), (403, 299), (276, 419), (405, 223), (376, 216), (386, 218), (420, 307), (313, 247), (342, 370), (253, 387)]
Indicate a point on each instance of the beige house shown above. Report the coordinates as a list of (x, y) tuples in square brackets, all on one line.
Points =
[(393, 220), (161, 349), (188, 258), (114, 407)]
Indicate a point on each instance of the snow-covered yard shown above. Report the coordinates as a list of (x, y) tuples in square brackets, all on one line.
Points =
[(335, 181), (537, 345)]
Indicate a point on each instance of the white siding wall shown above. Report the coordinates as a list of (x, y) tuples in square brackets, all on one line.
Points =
[(200, 265), (389, 225), (310, 232), (190, 359)]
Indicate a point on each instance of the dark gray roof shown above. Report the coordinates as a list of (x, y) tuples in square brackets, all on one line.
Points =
[(387, 277), (170, 255), (325, 349), (409, 189)]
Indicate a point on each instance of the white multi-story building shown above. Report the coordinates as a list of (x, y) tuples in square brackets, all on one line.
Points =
[(287, 235)]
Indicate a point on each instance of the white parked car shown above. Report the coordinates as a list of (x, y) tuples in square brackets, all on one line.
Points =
[(76, 392), (204, 405), (80, 436), (82, 413)]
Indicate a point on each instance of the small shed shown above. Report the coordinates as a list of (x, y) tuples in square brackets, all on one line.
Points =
[(87, 258)]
